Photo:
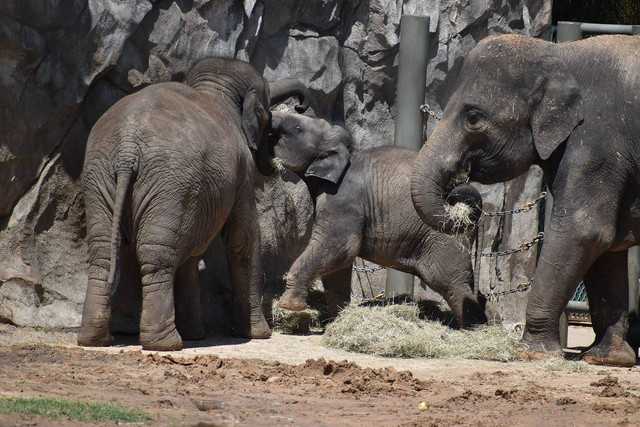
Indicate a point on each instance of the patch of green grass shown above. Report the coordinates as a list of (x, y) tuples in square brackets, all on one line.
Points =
[(73, 409)]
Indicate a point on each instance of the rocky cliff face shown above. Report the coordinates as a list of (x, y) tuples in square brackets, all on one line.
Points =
[(63, 63)]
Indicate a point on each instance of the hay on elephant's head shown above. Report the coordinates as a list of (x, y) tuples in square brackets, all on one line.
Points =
[(398, 331)]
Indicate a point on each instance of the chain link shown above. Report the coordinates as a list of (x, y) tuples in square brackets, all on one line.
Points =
[(525, 208), (367, 269), (520, 287), (426, 109), (524, 246)]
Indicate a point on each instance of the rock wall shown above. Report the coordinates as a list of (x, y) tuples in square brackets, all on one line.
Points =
[(63, 63)]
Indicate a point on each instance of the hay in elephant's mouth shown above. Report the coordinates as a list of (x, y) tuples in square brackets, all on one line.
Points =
[(399, 331), (277, 164), (459, 215)]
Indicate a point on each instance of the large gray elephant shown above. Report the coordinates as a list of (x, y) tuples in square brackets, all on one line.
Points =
[(166, 170), (574, 110), (363, 208)]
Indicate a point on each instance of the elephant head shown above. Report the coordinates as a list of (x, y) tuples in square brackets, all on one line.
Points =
[(310, 146), (513, 106), (252, 94)]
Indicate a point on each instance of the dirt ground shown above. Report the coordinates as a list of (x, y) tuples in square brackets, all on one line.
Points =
[(294, 380)]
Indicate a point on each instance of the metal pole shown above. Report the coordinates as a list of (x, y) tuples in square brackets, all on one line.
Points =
[(634, 274), (412, 79), (567, 32)]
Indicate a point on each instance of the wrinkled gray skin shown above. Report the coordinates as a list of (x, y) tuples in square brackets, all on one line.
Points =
[(166, 170), (363, 208), (574, 110)]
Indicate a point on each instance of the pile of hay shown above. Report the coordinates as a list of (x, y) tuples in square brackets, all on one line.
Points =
[(292, 322), (296, 322), (398, 331)]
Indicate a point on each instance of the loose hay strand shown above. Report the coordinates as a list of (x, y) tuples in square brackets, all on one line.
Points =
[(398, 331), (459, 215)]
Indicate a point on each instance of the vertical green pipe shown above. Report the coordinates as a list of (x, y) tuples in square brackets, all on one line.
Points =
[(412, 79), (567, 32)]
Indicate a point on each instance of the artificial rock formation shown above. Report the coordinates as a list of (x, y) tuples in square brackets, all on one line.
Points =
[(63, 63)]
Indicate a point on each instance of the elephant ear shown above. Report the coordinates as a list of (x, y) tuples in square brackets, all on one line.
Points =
[(254, 119), (330, 165), (560, 108)]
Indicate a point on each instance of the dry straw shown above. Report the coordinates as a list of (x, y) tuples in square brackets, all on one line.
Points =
[(398, 331)]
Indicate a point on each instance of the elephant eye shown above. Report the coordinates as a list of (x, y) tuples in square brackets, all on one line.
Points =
[(474, 118), (298, 128)]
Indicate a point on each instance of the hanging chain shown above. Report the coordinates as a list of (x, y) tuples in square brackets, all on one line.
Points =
[(367, 269), (525, 208), (520, 287), (523, 247)]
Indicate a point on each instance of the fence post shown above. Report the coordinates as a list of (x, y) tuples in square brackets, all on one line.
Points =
[(411, 87), (567, 32)]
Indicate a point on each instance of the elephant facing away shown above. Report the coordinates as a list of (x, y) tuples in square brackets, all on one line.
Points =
[(574, 110), (363, 208), (167, 169)]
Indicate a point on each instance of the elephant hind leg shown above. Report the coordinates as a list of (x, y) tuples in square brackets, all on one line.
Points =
[(606, 282), (337, 290), (242, 239), (187, 297), (158, 263), (96, 314)]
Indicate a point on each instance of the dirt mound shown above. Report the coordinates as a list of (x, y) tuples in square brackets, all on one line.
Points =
[(328, 376)]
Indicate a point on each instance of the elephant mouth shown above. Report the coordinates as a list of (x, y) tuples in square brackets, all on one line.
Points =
[(276, 163)]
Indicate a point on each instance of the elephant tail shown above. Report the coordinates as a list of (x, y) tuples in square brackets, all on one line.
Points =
[(123, 179)]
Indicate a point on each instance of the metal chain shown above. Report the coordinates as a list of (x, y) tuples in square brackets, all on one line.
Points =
[(367, 269), (520, 287), (524, 246), (525, 208), (425, 109)]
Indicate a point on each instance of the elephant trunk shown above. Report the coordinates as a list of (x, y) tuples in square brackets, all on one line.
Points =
[(287, 88), (438, 187)]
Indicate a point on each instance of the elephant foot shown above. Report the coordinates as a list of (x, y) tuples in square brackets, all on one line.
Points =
[(538, 350), (257, 329), (170, 341), (611, 352), (293, 303), (94, 337)]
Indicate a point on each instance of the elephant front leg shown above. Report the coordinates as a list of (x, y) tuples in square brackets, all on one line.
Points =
[(450, 274), (242, 238), (606, 282), (187, 296), (322, 256), (337, 290)]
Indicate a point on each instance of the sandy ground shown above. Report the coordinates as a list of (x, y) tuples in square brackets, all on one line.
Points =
[(295, 380)]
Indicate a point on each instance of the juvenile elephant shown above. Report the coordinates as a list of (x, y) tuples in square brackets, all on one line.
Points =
[(574, 110), (166, 170), (363, 208)]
